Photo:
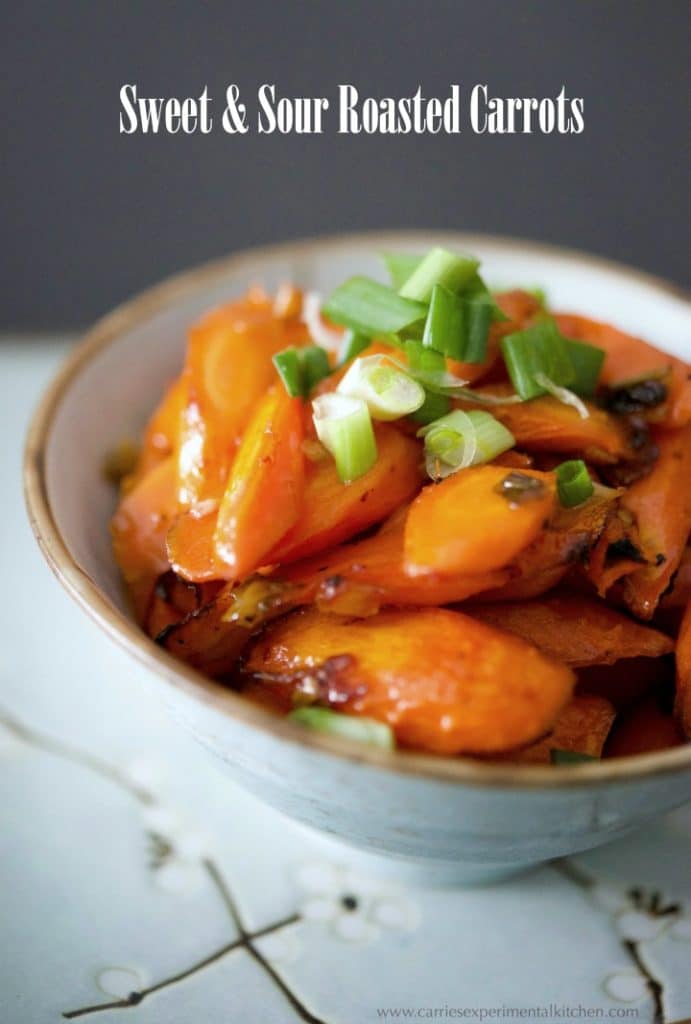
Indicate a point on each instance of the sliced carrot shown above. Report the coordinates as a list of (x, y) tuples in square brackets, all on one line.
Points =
[(582, 728), (680, 594), (370, 573), (545, 424), (261, 502), (228, 369), (660, 505), (682, 704), (642, 729), (162, 432), (629, 358), (443, 681), (465, 525), (139, 529), (332, 511), (576, 630)]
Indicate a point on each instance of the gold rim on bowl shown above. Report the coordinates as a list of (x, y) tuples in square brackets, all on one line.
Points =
[(128, 634)]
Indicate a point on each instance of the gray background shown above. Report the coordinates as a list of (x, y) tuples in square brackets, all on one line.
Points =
[(89, 215)]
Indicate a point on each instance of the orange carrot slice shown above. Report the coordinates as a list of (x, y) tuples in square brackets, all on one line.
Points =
[(443, 681), (465, 525), (682, 704), (643, 729)]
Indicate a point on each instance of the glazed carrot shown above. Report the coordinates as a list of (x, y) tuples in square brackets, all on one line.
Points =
[(682, 704), (643, 729), (162, 431), (139, 529), (173, 599), (582, 728), (629, 358), (575, 629), (617, 552), (660, 505), (228, 369), (545, 424), (680, 594), (466, 525), (361, 577), (332, 511), (261, 502), (444, 682)]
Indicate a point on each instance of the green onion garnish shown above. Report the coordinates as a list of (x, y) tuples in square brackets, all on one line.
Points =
[(479, 313), (563, 394), (371, 308), (445, 324), (400, 266), (439, 266), (344, 427), (462, 439), (573, 483), (557, 756), (351, 727), (289, 369), (352, 345), (539, 349), (388, 392), (301, 368), (587, 363), (433, 408)]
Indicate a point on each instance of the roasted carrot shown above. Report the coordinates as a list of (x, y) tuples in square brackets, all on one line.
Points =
[(643, 728), (660, 505), (370, 573), (162, 432), (545, 424), (443, 681), (261, 502), (332, 511), (582, 728), (682, 705), (476, 521), (139, 529), (575, 629), (629, 358), (228, 369), (680, 594)]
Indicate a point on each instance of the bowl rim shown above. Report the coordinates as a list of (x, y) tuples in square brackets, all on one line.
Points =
[(127, 633)]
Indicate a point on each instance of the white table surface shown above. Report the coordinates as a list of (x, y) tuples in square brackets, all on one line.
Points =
[(139, 884)]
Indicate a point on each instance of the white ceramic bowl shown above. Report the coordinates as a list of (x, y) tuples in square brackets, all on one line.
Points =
[(452, 815)]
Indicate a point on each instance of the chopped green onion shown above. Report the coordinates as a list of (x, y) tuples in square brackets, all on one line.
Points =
[(570, 757), (363, 730), (301, 368), (433, 407), (353, 344), (461, 439), (388, 392), (445, 323), (479, 312), (439, 266), (315, 366), (587, 363), (539, 349), (540, 295), (400, 266), (573, 483), (371, 308), (563, 395), (289, 369), (344, 427)]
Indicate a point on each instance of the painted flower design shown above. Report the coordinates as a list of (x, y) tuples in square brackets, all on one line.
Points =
[(177, 850), (355, 909)]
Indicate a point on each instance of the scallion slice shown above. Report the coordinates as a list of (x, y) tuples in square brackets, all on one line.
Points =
[(351, 727), (562, 394), (400, 266), (557, 756), (439, 266), (587, 363), (371, 308), (344, 427), (539, 349), (445, 327), (574, 484), (289, 369), (352, 345), (315, 366), (462, 439), (388, 392), (479, 313), (433, 408)]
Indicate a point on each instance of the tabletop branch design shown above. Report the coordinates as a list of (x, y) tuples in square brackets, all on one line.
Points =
[(246, 938), (650, 904)]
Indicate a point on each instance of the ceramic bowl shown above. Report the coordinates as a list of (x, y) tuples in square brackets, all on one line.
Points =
[(452, 817)]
